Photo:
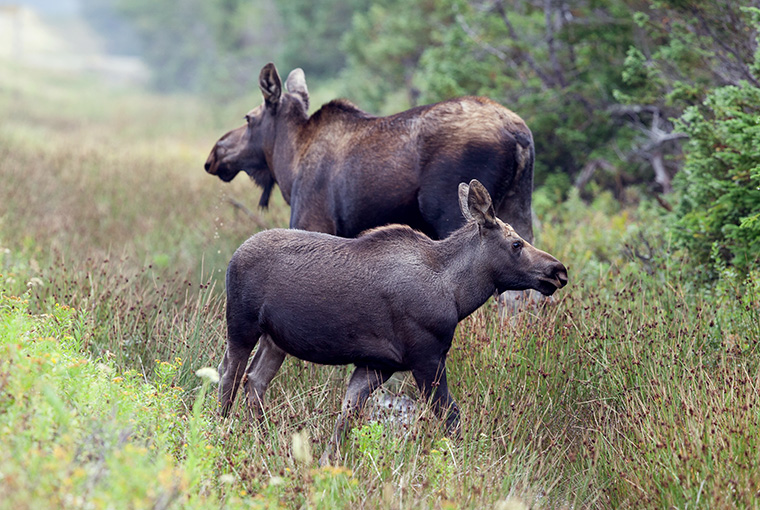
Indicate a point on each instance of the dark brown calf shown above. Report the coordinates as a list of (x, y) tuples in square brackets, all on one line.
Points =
[(386, 301), (344, 171)]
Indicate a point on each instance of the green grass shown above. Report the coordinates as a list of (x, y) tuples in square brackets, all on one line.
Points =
[(634, 388)]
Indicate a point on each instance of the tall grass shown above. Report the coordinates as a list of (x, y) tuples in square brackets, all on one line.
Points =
[(105, 203), (632, 388)]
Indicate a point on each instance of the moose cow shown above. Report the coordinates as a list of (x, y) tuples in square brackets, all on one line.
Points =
[(386, 301), (343, 171)]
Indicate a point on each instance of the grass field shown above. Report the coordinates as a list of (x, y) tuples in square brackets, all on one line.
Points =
[(634, 388)]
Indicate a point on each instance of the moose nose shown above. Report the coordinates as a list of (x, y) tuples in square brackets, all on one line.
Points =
[(560, 274), (210, 165)]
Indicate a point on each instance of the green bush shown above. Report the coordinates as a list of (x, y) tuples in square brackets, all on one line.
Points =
[(718, 217)]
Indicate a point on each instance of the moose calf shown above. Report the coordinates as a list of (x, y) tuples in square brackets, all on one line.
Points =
[(386, 301)]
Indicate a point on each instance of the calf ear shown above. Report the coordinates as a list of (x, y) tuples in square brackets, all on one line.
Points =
[(270, 85), (480, 205), (296, 84)]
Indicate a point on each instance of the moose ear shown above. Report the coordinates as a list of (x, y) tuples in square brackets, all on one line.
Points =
[(464, 190), (296, 84), (479, 204), (270, 85)]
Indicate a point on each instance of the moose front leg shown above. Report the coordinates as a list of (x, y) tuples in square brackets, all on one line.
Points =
[(264, 366), (363, 382), (431, 381)]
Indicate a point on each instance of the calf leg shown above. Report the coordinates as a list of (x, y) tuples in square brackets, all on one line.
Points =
[(231, 371), (242, 336), (363, 382), (264, 365), (431, 381)]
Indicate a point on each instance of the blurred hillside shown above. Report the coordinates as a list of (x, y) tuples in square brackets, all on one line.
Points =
[(48, 7), (55, 36)]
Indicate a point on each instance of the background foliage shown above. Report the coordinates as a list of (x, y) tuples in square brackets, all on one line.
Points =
[(718, 217)]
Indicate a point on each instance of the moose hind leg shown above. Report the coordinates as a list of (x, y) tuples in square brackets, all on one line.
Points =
[(242, 335), (363, 382), (264, 366), (431, 381), (232, 369)]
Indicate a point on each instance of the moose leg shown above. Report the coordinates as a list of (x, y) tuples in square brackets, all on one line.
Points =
[(431, 381), (231, 371), (300, 219), (363, 382), (264, 365)]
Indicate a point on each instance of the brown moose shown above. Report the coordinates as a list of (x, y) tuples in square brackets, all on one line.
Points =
[(344, 171), (386, 301)]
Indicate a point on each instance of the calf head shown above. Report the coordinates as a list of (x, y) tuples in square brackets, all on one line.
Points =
[(249, 148), (513, 262)]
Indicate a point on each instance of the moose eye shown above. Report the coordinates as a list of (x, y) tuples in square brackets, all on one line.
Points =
[(247, 119), (517, 245)]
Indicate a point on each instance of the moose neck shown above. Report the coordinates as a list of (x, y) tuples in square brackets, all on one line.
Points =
[(301, 140), (466, 269), (283, 156)]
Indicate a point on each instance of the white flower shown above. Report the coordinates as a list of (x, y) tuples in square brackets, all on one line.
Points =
[(510, 504), (302, 447), (208, 373), (227, 479)]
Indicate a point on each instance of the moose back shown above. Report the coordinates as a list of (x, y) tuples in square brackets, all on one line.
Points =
[(344, 171)]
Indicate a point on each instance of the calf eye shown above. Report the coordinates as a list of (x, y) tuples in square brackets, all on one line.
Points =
[(247, 119), (517, 245)]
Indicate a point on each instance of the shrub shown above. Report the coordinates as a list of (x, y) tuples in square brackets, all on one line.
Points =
[(718, 217)]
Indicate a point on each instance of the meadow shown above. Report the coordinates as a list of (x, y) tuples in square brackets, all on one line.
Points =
[(636, 387)]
